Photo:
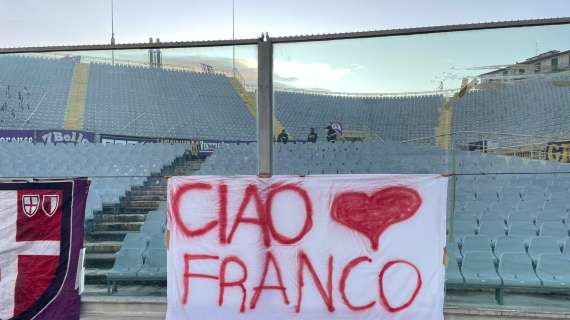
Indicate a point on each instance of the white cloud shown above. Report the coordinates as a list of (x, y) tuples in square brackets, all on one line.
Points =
[(309, 72)]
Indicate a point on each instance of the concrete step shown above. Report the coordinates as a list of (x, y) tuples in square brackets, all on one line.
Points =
[(156, 182), (96, 276), (148, 192), (98, 306), (116, 226), (117, 218), (129, 203), (103, 246), (145, 197), (183, 172), (95, 236), (99, 260), (118, 211), (153, 190)]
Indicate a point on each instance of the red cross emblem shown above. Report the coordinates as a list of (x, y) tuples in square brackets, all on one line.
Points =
[(30, 204)]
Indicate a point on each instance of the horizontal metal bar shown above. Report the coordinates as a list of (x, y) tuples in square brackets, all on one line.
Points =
[(128, 46), (423, 30), (305, 38)]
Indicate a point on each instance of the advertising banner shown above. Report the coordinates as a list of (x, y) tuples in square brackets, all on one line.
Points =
[(558, 151), (318, 247), (47, 136), (17, 136)]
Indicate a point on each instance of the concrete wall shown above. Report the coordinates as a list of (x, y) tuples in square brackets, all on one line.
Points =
[(147, 308)]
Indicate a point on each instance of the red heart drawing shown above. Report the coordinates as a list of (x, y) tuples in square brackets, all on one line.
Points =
[(372, 215)]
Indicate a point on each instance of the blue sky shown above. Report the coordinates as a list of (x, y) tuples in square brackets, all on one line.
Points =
[(377, 65)]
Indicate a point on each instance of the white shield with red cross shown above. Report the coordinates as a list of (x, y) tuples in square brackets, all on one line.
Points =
[(31, 257), (30, 204)]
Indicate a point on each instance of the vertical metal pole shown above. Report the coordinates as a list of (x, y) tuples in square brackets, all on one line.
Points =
[(265, 106), (233, 38), (112, 33)]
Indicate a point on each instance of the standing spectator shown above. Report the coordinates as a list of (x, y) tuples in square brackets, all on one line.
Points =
[(331, 134), (283, 137), (312, 136)]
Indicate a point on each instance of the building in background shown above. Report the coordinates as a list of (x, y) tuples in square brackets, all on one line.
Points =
[(544, 63)]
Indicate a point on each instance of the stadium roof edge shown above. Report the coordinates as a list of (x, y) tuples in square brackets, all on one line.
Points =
[(299, 38), (124, 46), (424, 30)]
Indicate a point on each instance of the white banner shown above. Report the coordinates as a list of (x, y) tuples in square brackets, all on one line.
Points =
[(318, 247)]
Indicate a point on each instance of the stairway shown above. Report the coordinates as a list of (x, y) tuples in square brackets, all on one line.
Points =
[(111, 224), (250, 101), (76, 98), (443, 131)]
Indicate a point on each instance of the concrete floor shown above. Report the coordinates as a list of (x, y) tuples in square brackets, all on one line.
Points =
[(149, 302)]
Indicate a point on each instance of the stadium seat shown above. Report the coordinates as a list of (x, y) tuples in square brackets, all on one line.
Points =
[(521, 217), (127, 263), (554, 229), (516, 270), (554, 209), (494, 217), (554, 270), (492, 230), (135, 240), (567, 247), (453, 251), (154, 267), (156, 216), (541, 245), (156, 241), (487, 195), (533, 206), (462, 229), (475, 243), (478, 267), (549, 217), (524, 229), (152, 227), (509, 244), (453, 274)]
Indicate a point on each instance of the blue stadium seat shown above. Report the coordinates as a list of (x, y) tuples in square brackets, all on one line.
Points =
[(154, 267), (492, 230), (554, 270), (541, 245), (152, 227), (509, 244), (452, 273), (554, 229), (478, 267), (516, 270), (475, 243), (135, 240), (524, 229), (127, 263)]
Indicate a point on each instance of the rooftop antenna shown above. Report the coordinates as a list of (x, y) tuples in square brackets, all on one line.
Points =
[(112, 33)]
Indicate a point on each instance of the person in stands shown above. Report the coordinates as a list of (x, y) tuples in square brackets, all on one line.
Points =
[(331, 134), (312, 136), (283, 137)]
